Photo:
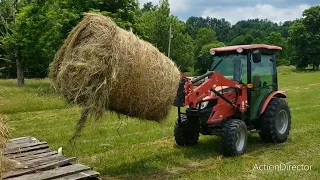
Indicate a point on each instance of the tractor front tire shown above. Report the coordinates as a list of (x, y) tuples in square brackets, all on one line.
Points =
[(186, 134), (234, 136), (275, 122)]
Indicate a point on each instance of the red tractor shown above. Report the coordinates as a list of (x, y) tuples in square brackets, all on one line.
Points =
[(239, 93)]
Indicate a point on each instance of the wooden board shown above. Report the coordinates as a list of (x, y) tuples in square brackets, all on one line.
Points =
[(38, 161), (38, 168), (14, 147), (27, 154), (80, 175), (36, 156), (26, 149), (54, 173), (28, 139)]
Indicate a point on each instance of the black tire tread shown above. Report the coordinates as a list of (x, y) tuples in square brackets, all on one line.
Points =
[(268, 130), (184, 137), (228, 136)]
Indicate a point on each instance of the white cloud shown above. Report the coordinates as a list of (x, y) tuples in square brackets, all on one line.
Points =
[(261, 11), (178, 5)]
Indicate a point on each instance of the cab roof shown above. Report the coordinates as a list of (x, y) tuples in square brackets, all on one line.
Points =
[(245, 47)]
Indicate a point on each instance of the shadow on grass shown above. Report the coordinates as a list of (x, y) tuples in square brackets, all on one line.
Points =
[(150, 167), (171, 165), (211, 147)]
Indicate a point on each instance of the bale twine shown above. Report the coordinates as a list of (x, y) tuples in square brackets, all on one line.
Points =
[(103, 67)]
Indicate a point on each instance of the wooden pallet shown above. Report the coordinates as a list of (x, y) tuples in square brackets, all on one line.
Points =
[(39, 162)]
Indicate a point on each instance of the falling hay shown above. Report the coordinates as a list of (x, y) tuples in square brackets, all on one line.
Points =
[(5, 164), (103, 67), (3, 136)]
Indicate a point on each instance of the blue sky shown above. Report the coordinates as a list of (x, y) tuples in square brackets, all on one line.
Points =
[(235, 10)]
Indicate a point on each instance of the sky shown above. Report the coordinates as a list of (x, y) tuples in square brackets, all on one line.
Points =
[(235, 10)]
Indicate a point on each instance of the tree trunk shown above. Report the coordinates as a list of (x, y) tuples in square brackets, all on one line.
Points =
[(20, 74)]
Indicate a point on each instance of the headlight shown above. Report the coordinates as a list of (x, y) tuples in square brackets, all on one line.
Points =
[(204, 104)]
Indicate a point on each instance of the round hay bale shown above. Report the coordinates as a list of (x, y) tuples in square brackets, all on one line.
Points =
[(103, 67)]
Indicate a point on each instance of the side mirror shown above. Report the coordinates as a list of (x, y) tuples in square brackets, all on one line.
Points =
[(256, 56)]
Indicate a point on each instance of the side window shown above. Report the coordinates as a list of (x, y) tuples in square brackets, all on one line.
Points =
[(244, 75), (226, 68), (263, 71)]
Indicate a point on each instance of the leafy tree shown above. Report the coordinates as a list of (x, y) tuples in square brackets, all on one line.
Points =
[(257, 28), (299, 43), (182, 47), (145, 26), (304, 39), (285, 29), (8, 22), (149, 7), (220, 26), (312, 23), (41, 26), (242, 40), (204, 36), (204, 59), (275, 38), (182, 53), (162, 24), (40, 30), (312, 19), (122, 11)]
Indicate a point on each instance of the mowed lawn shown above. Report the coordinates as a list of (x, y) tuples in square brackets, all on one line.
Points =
[(127, 148)]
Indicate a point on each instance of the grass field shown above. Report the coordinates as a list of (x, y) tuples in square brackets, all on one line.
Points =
[(126, 148)]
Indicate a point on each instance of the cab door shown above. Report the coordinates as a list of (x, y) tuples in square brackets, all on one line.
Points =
[(263, 78)]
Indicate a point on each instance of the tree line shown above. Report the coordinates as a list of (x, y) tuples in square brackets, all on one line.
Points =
[(31, 31)]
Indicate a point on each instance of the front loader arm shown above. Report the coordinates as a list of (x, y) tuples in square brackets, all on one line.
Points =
[(194, 96)]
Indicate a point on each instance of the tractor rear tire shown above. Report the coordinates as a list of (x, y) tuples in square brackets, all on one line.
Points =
[(186, 133), (275, 122), (234, 137)]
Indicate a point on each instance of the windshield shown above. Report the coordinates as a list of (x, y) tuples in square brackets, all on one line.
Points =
[(229, 65)]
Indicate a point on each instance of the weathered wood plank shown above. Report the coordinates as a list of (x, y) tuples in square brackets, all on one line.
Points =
[(80, 175), (25, 154), (21, 172), (27, 139), (54, 173), (21, 150), (22, 145), (43, 161), (37, 156)]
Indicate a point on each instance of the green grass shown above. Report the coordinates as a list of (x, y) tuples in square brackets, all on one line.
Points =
[(132, 149)]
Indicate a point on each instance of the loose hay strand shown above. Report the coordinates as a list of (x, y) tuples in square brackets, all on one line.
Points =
[(103, 67), (4, 166)]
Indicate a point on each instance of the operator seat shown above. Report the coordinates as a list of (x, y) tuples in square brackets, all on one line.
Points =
[(256, 81)]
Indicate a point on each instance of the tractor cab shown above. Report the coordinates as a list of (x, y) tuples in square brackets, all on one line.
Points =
[(237, 94), (253, 66)]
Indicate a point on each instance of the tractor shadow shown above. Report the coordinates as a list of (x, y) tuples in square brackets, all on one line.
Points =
[(206, 147), (148, 167), (257, 147), (210, 147), (173, 164)]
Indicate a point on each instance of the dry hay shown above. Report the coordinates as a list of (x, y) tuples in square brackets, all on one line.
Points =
[(5, 164), (3, 136), (103, 67)]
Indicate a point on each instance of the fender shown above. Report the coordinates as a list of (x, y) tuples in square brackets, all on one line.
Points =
[(281, 94)]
